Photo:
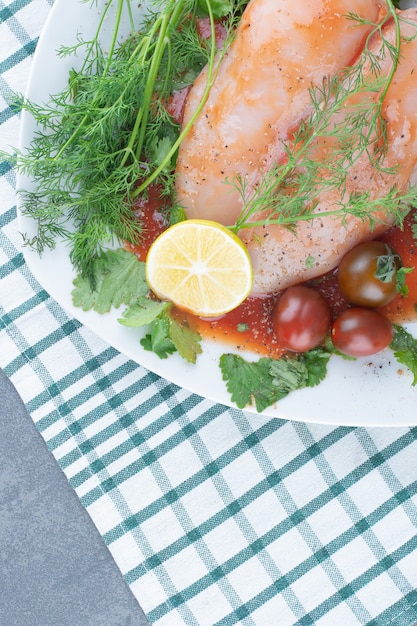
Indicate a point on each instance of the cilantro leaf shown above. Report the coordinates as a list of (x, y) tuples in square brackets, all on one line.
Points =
[(219, 8), (186, 340), (404, 346), (120, 278), (316, 361), (143, 311), (400, 280), (169, 335), (267, 380), (249, 382), (158, 339), (288, 374), (304, 370), (160, 151)]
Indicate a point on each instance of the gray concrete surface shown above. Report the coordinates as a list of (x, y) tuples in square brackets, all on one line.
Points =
[(54, 567)]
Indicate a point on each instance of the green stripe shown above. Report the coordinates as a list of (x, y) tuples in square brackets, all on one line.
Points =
[(23, 53), (270, 481), (144, 435), (340, 596), (280, 530), (8, 319), (32, 352), (198, 478), (107, 406), (5, 168), (238, 504), (7, 12), (402, 613), (59, 386), (136, 439), (12, 265), (361, 581), (7, 217)]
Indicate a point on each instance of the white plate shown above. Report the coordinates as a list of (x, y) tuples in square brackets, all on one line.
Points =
[(375, 391)]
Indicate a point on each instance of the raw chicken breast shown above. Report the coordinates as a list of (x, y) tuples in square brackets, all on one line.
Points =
[(282, 258), (260, 93)]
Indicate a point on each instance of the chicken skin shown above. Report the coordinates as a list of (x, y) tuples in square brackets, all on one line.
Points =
[(260, 92), (260, 95), (282, 257)]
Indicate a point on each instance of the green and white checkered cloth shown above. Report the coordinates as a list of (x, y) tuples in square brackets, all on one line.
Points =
[(214, 516)]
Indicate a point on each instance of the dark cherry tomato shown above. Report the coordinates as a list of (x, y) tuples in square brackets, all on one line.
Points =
[(301, 318), (367, 274), (361, 332)]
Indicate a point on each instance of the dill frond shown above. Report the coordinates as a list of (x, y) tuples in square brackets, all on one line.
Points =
[(108, 135)]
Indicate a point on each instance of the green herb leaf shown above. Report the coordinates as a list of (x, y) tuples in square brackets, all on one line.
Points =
[(249, 382), (400, 280), (108, 135), (316, 363), (310, 261), (143, 311), (404, 346), (158, 339), (119, 279), (288, 374), (167, 334), (160, 152), (386, 266), (186, 341), (266, 381), (219, 8)]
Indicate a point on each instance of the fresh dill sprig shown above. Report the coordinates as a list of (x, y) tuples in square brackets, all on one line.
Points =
[(288, 192), (107, 136)]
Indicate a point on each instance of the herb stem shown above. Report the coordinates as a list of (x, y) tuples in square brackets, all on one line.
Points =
[(210, 79), (150, 83), (114, 36)]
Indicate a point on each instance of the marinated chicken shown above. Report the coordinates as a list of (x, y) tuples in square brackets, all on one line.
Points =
[(282, 257), (260, 93), (259, 97)]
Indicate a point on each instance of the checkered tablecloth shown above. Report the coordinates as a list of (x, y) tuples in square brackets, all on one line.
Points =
[(213, 515)]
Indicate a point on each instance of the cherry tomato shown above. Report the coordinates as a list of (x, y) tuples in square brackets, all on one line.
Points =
[(361, 332), (301, 318), (367, 274)]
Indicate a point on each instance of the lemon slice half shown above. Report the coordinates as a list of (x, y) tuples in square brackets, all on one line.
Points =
[(200, 266)]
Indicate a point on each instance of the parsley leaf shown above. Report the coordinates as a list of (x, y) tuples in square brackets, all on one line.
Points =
[(161, 150), (316, 361), (158, 340), (248, 382), (169, 335), (400, 280), (404, 346), (119, 279), (267, 380), (220, 8), (144, 311), (186, 341)]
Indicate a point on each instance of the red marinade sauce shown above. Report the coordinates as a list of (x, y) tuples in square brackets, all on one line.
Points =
[(150, 212)]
